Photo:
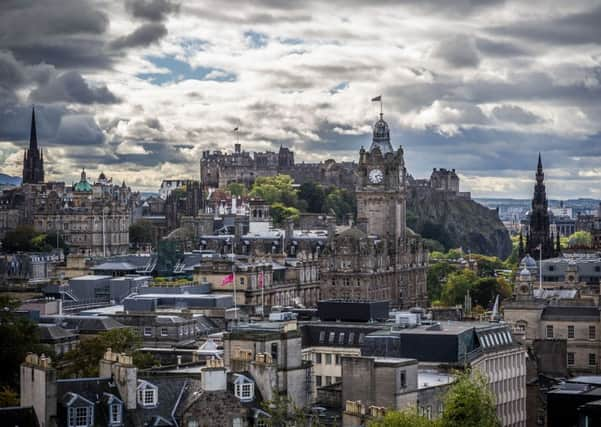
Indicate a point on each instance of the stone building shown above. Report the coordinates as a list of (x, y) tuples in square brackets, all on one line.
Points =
[(218, 169), (444, 180), (539, 223), (538, 314), (379, 257), (93, 220), (271, 353), (33, 158)]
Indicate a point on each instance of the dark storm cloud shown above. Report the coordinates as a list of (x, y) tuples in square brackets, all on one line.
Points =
[(65, 53), (575, 28), (499, 48), (459, 51), (152, 10), (78, 130), (15, 120), (71, 87), (515, 114), (63, 33), (11, 72), (145, 35)]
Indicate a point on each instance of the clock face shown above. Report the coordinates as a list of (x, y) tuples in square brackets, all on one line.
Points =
[(376, 176)]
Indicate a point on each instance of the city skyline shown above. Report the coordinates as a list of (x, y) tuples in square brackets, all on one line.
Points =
[(138, 90)]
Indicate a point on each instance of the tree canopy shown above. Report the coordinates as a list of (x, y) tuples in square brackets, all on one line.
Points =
[(18, 336), (83, 361), (275, 189), (580, 239), (26, 239), (468, 403), (140, 233)]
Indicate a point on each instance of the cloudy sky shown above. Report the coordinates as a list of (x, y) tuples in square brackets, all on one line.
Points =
[(139, 88)]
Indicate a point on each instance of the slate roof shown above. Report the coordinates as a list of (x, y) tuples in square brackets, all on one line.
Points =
[(19, 417), (587, 313), (89, 324), (52, 333), (115, 266), (170, 393)]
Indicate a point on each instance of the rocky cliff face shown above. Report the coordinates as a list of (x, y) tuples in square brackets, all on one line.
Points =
[(457, 222)]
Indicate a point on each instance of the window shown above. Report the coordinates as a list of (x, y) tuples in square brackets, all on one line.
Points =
[(237, 422), (80, 416), (570, 331), (147, 395), (242, 281), (332, 337), (328, 380), (274, 351), (245, 391), (318, 358), (338, 379), (147, 331), (337, 359), (328, 359), (592, 332), (318, 380), (592, 359), (192, 423), (351, 338), (549, 331), (361, 337), (164, 332), (403, 379), (571, 359), (115, 413), (322, 337), (341, 338)]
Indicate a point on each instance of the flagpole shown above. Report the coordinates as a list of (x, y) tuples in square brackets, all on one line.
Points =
[(540, 267), (262, 293), (234, 282)]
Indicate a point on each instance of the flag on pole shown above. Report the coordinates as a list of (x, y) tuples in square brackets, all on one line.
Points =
[(236, 129), (540, 246), (377, 98), (228, 279), (261, 277)]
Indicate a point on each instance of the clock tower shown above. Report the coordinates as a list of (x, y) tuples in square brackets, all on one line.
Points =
[(381, 186)]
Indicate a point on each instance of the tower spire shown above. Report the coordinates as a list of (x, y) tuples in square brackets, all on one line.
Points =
[(33, 136)]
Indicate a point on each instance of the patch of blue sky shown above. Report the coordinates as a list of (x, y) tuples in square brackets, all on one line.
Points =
[(290, 40), (339, 87), (256, 40), (176, 70)]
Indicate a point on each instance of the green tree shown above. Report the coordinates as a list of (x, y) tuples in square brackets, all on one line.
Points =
[(283, 412), (20, 239), (437, 274), (486, 289), (341, 202), (18, 336), (8, 397), (275, 189), (469, 403), (141, 233), (237, 189), (487, 264), (580, 239), (457, 286), (314, 195), (83, 361), (281, 213), (405, 418)]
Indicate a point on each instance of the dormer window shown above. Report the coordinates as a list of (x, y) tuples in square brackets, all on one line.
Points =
[(80, 416), (115, 413), (244, 388), (148, 394)]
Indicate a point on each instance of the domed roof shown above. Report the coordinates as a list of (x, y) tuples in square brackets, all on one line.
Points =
[(381, 137), (83, 185), (525, 274), (528, 262), (102, 177)]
